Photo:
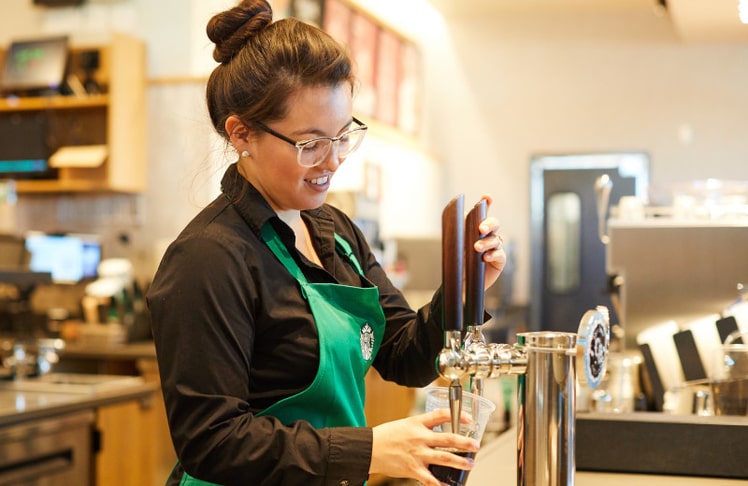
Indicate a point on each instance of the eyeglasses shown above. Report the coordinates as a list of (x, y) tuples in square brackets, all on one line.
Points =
[(312, 152)]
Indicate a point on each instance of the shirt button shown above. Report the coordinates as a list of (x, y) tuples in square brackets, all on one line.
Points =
[(344, 482)]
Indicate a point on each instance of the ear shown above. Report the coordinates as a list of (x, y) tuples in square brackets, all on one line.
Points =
[(237, 131)]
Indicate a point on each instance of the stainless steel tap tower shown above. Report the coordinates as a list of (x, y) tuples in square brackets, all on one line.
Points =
[(545, 362)]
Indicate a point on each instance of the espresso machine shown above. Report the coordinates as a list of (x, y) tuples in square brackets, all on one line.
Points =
[(545, 362)]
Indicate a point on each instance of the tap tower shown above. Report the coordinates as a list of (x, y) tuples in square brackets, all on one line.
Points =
[(545, 363)]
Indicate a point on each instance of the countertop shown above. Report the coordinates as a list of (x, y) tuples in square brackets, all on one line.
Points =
[(18, 405), (496, 464)]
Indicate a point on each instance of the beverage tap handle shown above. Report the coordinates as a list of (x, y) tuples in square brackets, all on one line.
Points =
[(475, 267), (475, 272), (453, 255), (453, 249)]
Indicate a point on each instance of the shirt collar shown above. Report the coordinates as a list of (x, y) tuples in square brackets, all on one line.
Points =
[(256, 211), (247, 200)]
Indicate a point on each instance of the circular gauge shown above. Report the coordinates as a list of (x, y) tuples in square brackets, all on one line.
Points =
[(594, 338)]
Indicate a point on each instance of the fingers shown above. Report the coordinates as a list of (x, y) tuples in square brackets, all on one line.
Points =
[(454, 442), (491, 242), (441, 416), (488, 226), (439, 462), (495, 257), (435, 417), (406, 448), (444, 439), (440, 459), (491, 245), (446, 449)]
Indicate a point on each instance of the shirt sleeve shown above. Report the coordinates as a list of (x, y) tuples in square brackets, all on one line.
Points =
[(201, 302)]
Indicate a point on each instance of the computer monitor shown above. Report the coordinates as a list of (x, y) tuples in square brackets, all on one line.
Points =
[(70, 257), (35, 66)]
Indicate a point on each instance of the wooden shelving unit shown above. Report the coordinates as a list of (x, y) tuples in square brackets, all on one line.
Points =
[(115, 118)]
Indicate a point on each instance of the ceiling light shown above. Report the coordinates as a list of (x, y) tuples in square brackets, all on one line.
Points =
[(743, 11)]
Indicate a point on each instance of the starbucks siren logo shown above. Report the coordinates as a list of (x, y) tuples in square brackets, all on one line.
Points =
[(367, 341)]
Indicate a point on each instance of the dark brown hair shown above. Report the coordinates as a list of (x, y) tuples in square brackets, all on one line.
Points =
[(263, 63)]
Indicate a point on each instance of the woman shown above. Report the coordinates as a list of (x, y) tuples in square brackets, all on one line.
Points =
[(269, 308)]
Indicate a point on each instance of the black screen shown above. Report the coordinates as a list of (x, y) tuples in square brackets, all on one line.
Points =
[(24, 146)]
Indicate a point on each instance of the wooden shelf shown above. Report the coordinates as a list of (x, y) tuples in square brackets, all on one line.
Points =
[(13, 104), (55, 185)]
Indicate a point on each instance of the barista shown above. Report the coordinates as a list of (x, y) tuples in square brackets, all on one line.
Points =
[(270, 308)]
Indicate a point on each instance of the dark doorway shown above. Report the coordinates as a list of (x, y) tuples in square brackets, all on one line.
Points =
[(569, 273)]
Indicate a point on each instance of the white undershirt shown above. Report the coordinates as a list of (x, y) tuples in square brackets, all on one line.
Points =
[(303, 240)]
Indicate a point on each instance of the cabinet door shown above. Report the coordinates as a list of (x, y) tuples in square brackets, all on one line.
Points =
[(126, 452)]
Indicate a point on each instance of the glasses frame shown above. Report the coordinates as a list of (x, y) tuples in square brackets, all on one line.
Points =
[(303, 143)]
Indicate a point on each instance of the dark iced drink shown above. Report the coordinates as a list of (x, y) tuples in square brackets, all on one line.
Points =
[(450, 475)]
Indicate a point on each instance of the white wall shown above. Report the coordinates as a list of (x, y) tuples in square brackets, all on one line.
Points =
[(496, 90), (503, 89)]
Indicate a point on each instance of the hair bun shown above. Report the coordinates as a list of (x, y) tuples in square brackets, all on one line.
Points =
[(231, 29)]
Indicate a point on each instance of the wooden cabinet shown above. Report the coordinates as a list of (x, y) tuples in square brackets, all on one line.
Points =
[(113, 120), (385, 402), (126, 447), (135, 446)]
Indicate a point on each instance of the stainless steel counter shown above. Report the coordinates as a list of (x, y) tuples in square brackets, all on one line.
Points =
[(496, 464)]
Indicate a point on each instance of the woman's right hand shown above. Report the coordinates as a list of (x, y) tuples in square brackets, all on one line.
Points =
[(405, 448)]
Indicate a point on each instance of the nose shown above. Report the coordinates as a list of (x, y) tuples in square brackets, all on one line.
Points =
[(331, 160)]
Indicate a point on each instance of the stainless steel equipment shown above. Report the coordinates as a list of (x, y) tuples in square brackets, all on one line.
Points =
[(47, 452), (545, 362), (23, 358), (675, 269)]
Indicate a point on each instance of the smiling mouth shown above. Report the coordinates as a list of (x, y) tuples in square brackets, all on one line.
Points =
[(319, 180)]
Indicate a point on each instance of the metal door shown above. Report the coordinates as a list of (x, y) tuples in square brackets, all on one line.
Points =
[(567, 254)]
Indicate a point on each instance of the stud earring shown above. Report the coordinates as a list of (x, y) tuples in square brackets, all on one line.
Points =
[(245, 154)]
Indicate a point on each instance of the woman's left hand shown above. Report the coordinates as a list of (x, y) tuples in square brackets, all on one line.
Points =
[(490, 244)]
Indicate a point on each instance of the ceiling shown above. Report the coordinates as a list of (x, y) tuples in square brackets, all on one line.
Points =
[(694, 20)]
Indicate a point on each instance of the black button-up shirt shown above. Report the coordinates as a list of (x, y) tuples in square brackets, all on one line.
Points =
[(233, 335)]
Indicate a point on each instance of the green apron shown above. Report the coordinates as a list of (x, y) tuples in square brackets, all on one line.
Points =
[(350, 326)]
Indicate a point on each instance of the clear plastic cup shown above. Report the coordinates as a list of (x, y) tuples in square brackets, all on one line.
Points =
[(479, 409)]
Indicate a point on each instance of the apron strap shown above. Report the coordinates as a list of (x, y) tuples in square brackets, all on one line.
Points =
[(272, 240), (344, 248)]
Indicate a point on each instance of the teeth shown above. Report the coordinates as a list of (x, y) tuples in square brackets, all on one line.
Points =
[(320, 180)]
